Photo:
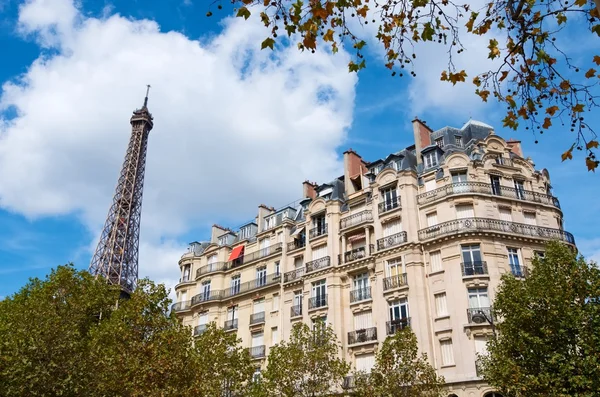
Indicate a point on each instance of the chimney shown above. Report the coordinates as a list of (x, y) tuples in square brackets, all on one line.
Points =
[(353, 167), (217, 231), (422, 135), (263, 212), (515, 147), (308, 190)]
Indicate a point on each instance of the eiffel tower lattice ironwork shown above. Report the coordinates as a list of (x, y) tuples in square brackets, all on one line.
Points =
[(116, 256)]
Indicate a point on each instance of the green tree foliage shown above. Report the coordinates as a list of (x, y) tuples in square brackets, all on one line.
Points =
[(400, 371), (548, 341), (306, 365), (538, 75), (66, 336)]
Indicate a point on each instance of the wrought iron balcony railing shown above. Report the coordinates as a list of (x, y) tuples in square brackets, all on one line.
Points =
[(318, 231), (486, 313), (317, 264), (505, 161), (199, 329), (348, 382), (257, 318), (519, 271), (230, 324), (262, 253), (362, 335), (317, 301), (358, 253), (396, 325), (296, 244), (211, 268), (388, 205), (293, 275), (396, 281), (257, 283), (360, 294), (493, 225), (296, 311), (391, 241), (181, 306), (356, 219), (487, 188), (207, 296), (257, 351), (474, 268)]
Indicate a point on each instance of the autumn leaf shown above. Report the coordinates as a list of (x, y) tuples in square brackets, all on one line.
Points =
[(591, 164), (578, 108), (362, 11), (266, 2), (268, 42), (568, 155), (597, 59), (494, 51), (580, 3), (457, 77), (329, 35), (310, 41), (591, 145), (471, 21), (243, 12), (547, 123), (504, 74), (428, 31), (565, 85), (444, 76), (590, 73), (551, 110), (561, 18), (484, 95)]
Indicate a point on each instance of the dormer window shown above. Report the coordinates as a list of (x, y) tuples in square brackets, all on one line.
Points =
[(245, 232), (440, 142), (458, 141), (430, 159)]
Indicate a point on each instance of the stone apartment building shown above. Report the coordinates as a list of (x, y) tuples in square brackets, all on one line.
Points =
[(419, 238)]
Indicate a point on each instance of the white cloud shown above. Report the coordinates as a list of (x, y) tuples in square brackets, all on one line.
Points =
[(234, 126)]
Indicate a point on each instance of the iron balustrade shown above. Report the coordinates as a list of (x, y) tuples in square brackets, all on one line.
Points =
[(486, 311), (396, 281), (317, 264), (296, 311), (207, 297), (318, 231), (199, 329), (230, 324), (317, 301), (257, 283), (296, 244), (362, 335), (487, 188), (389, 205), (356, 219), (505, 161), (262, 253), (493, 225), (360, 294), (180, 306), (396, 325), (349, 382), (293, 275), (211, 268), (519, 271), (476, 268), (257, 351), (257, 318), (391, 241), (357, 253)]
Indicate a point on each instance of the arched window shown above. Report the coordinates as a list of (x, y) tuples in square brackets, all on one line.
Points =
[(453, 395), (492, 394)]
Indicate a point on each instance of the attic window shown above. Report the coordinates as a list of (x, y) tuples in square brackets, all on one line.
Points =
[(458, 140), (325, 192), (440, 142), (430, 159)]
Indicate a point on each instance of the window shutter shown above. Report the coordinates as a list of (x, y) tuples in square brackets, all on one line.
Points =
[(481, 345), (274, 336), (441, 306), (464, 211), (259, 306), (432, 219), (430, 185), (505, 214), (275, 302), (319, 252), (203, 319), (530, 218), (435, 259), (392, 228), (363, 320), (447, 352), (258, 339), (365, 362)]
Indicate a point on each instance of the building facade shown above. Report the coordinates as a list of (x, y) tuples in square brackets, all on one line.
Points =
[(420, 239)]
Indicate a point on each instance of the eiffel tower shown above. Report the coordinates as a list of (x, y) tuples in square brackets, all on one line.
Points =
[(116, 256)]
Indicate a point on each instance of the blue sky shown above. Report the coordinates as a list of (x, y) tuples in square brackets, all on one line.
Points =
[(234, 127)]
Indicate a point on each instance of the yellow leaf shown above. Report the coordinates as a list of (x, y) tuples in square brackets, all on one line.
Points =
[(310, 41), (484, 95), (266, 2), (567, 155), (597, 59), (363, 11), (477, 81), (565, 85), (591, 144), (444, 76), (578, 108), (328, 36), (504, 74), (591, 164), (590, 73), (580, 3), (547, 123), (551, 110)]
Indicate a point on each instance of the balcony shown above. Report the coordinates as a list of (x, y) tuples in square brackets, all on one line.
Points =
[(467, 225), (181, 306), (504, 161), (360, 294), (478, 315), (318, 231), (389, 205), (293, 275), (257, 351), (296, 244), (207, 296), (362, 336), (262, 253), (199, 329), (396, 325), (211, 268), (230, 325), (396, 281), (391, 241), (478, 268), (296, 311), (261, 282), (257, 318), (317, 301), (358, 253), (519, 271), (317, 264), (356, 219), (348, 383), (486, 188)]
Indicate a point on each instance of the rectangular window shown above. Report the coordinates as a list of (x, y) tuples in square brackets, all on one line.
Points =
[(505, 214), (495, 181), (255, 378), (277, 268), (458, 141), (447, 352), (391, 228), (319, 224), (261, 276), (432, 219), (514, 262), (319, 290), (280, 237), (259, 306), (363, 320), (394, 267), (480, 345), (530, 218), (459, 182), (519, 189), (258, 339), (471, 254), (298, 300), (319, 252), (232, 313), (430, 185), (206, 290), (440, 142), (264, 246), (274, 336), (478, 298), (203, 318), (183, 296), (361, 283), (186, 273), (441, 306), (365, 362), (212, 263), (464, 211), (389, 198), (298, 262), (399, 309), (235, 285), (275, 302), (430, 159), (435, 260)]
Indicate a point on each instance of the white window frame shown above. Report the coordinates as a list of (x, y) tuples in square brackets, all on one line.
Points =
[(447, 352), (430, 159), (441, 304), (435, 261)]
